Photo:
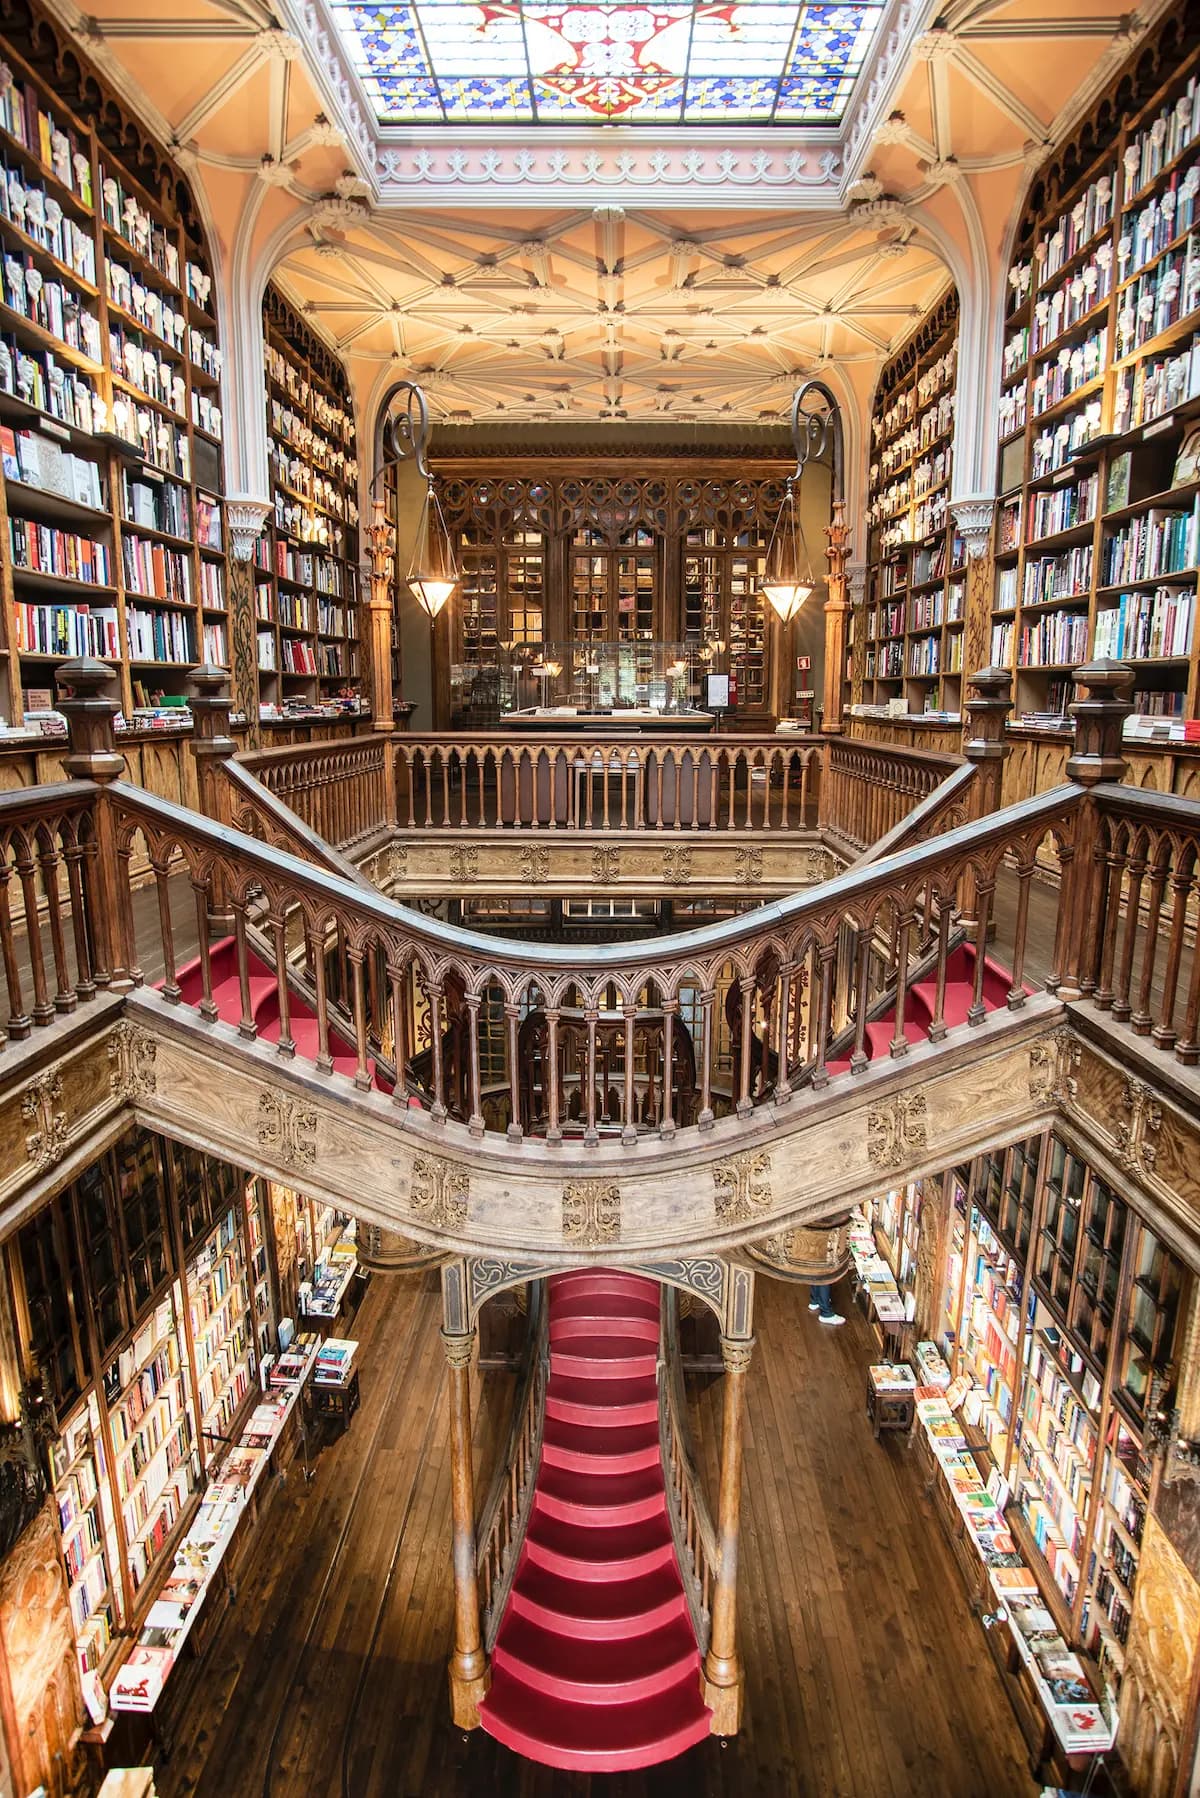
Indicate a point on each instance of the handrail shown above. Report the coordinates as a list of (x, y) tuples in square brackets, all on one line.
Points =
[(260, 812), (697, 1545), (341, 790), (801, 967), (505, 1515)]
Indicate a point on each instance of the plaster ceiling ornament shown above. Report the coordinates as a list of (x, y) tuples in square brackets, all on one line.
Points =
[(280, 45), (895, 129)]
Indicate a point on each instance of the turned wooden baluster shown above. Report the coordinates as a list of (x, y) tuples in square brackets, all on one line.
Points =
[(285, 1046), (247, 1028), (396, 984), (48, 862), (1016, 991), (899, 1043), (783, 1003), (1164, 1034), (861, 1000), (590, 1134), (984, 890), (512, 1018), (826, 955), (1142, 1019), (629, 1124), (474, 1081), (162, 874), (433, 995), (43, 1009), (362, 1071), (20, 1024), (85, 985), (1122, 1008), (553, 1087)]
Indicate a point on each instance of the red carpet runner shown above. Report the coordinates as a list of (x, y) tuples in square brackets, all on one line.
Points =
[(596, 1667)]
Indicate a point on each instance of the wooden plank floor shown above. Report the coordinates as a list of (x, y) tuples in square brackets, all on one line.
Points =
[(867, 1676)]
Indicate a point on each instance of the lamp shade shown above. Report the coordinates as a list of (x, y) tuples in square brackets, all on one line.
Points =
[(432, 573), (787, 580)]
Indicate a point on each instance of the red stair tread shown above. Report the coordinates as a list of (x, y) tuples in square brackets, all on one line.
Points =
[(599, 1551), (569, 1330), (598, 1738), (581, 1302), (620, 1609), (600, 1352), (614, 1447), (597, 1280), (566, 1493), (595, 1670), (631, 1400)]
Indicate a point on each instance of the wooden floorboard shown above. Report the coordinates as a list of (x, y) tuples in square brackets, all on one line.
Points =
[(866, 1674)]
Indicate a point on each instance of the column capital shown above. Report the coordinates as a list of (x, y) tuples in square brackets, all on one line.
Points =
[(244, 521), (736, 1353), (973, 518), (459, 1348)]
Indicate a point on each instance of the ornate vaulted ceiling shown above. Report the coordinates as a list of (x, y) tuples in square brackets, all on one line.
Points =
[(623, 270)]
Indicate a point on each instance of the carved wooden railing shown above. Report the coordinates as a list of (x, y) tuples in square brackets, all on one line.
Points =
[(505, 1517), (341, 791), (620, 782), (49, 893), (808, 963), (697, 1547), (867, 789)]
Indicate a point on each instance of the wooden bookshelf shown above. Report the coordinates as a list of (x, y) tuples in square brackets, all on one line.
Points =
[(916, 564), (109, 407), (306, 568), (1098, 525)]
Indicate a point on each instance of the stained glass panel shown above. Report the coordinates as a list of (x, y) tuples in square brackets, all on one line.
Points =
[(551, 61)]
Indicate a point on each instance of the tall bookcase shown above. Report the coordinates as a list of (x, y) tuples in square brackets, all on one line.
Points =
[(1098, 523), (143, 1296), (110, 420), (916, 574), (306, 563), (1062, 1308)]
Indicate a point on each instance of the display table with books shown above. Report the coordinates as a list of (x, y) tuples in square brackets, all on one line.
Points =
[(1055, 1697), (324, 1298), (226, 1503), (891, 1389), (335, 1380)]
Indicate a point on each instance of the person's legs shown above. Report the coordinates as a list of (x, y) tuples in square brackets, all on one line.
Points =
[(824, 1298)]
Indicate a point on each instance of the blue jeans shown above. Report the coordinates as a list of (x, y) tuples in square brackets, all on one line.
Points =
[(823, 1296)]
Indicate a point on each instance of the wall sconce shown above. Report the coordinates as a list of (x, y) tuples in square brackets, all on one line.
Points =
[(788, 579)]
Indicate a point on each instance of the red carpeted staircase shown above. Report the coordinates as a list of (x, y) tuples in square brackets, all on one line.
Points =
[(264, 1006), (922, 999), (596, 1667)]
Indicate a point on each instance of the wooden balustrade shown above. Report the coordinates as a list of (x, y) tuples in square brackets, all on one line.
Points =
[(697, 1547), (505, 1516), (54, 956), (867, 789), (341, 791), (805, 970), (598, 782)]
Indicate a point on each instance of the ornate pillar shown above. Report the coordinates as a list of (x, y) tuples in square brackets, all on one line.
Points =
[(244, 520), (856, 594), (722, 1681), (837, 606), (377, 636), (973, 521), (470, 1674)]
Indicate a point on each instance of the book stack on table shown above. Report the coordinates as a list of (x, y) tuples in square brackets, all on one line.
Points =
[(1075, 1715), (335, 1361), (931, 1365), (139, 1682)]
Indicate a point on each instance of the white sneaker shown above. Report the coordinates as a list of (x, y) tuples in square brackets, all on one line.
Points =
[(813, 1305), (832, 1317)]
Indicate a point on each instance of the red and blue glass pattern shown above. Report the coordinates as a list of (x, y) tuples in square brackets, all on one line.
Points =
[(543, 61)]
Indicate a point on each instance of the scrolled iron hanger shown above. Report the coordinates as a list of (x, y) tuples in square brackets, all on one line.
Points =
[(402, 435)]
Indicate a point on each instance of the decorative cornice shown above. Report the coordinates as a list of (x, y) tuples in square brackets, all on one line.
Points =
[(244, 521), (651, 166)]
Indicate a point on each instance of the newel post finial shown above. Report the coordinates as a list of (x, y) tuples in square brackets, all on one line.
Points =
[(211, 703), (91, 714), (1099, 722)]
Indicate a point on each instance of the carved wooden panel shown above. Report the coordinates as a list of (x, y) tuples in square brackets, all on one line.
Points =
[(1159, 1667), (38, 1651)]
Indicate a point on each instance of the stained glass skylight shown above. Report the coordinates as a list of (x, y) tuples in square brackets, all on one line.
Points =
[(544, 62)]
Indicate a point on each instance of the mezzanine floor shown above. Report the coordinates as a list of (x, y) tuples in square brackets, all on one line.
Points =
[(867, 1676)]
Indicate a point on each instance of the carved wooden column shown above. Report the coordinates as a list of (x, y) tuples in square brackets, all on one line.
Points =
[(837, 606), (470, 1675), (1098, 756), (722, 1682), (244, 521), (377, 637), (987, 748), (91, 714), (973, 521)]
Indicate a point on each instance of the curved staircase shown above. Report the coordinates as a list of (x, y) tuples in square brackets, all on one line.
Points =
[(596, 1667)]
